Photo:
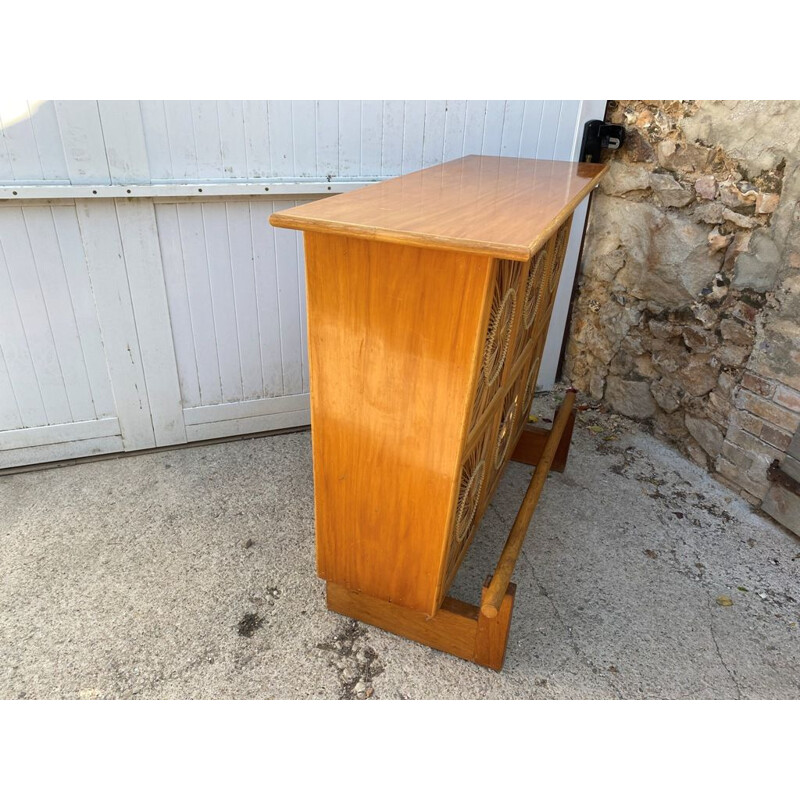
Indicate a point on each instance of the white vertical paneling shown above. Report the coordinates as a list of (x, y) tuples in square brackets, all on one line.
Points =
[(180, 133), (256, 139), (217, 240), (548, 130), (38, 333), (392, 137), (82, 137), (139, 237), (584, 111), (326, 129), (371, 137), (123, 134), (234, 140), (230, 116), (304, 139), (281, 133), (474, 125), (433, 141), (83, 306), (107, 270), (198, 291), (413, 136), (169, 237), (20, 142), (493, 128), (565, 138), (48, 140), (193, 305), (266, 280), (10, 418), (288, 270), (531, 126), (349, 139), (455, 117), (60, 314), (512, 128), (208, 148), (6, 173), (16, 352), (245, 298), (156, 136)]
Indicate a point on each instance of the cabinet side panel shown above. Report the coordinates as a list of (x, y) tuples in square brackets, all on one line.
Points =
[(392, 338)]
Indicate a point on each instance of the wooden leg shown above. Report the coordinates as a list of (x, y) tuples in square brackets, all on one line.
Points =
[(492, 636), (457, 628), (533, 439)]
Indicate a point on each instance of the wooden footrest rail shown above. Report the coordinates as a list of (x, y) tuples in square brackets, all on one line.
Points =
[(478, 634)]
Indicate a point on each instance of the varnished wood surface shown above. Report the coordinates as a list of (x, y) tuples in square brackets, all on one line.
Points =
[(504, 207), (394, 334), (421, 370), (457, 628), (491, 637), (494, 594), (532, 442), (452, 629)]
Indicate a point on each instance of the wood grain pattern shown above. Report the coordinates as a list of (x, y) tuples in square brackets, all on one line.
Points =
[(457, 628), (491, 637), (452, 629), (532, 441), (504, 207), (428, 303), (394, 334)]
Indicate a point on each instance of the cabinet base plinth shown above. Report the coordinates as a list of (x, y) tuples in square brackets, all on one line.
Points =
[(457, 628)]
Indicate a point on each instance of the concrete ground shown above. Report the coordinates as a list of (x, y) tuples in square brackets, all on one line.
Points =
[(190, 574)]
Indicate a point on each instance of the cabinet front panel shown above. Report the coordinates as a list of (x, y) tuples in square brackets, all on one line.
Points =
[(522, 302), (498, 343)]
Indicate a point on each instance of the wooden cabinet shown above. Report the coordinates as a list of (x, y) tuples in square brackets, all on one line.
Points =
[(428, 300)]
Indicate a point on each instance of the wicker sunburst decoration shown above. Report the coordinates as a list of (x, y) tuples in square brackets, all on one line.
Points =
[(562, 238), (470, 491), (532, 300), (507, 426), (530, 387), (533, 287), (472, 475), (498, 334)]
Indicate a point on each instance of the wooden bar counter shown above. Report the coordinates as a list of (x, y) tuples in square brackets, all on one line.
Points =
[(429, 298)]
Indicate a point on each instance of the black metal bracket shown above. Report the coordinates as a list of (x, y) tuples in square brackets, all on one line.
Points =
[(775, 474), (598, 135)]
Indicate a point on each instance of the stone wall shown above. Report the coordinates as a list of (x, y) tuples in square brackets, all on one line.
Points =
[(688, 312)]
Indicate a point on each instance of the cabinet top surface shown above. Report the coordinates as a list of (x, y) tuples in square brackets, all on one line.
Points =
[(502, 207)]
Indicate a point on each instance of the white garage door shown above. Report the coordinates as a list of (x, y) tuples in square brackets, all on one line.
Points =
[(144, 298)]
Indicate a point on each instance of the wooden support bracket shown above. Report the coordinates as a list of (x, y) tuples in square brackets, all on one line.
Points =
[(457, 628), (531, 444)]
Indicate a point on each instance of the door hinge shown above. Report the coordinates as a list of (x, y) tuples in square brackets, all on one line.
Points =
[(598, 135)]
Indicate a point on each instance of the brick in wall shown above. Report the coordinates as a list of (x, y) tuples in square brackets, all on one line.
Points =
[(758, 385), (752, 445), (748, 422), (788, 398), (775, 437), (768, 411)]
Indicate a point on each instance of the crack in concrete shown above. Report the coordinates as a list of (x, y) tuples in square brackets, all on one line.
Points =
[(571, 636), (722, 661)]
